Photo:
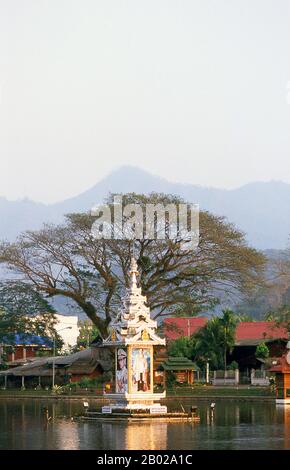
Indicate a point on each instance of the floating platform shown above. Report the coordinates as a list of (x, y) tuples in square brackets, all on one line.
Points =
[(133, 417)]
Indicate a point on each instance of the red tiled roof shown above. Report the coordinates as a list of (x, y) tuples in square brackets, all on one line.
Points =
[(182, 326), (260, 330), (281, 365)]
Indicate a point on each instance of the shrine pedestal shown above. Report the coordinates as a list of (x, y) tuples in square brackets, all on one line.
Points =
[(136, 401)]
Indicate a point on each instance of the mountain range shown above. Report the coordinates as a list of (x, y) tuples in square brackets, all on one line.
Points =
[(260, 209)]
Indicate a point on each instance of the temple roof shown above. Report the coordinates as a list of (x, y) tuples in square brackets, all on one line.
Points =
[(133, 322)]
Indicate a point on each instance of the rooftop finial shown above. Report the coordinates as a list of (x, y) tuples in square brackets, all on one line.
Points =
[(133, 272)]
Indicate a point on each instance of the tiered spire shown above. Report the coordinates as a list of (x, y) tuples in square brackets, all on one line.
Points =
[(133, 323), (133, 274)]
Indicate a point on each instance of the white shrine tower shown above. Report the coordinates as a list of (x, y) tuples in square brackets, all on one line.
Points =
[(133, 336)]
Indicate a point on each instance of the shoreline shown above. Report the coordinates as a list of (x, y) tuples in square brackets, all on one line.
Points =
[(102, 400)]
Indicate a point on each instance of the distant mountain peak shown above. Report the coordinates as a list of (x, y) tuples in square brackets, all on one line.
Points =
[(260, 209)]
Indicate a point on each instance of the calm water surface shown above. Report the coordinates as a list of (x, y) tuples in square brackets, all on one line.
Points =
[(235, 425)]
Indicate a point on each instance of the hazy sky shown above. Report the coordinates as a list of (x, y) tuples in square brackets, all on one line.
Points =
[(192, 90)]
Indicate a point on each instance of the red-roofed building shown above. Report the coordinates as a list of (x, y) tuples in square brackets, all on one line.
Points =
[(255, 332), (248, 336), (246, 333), (173, 328)]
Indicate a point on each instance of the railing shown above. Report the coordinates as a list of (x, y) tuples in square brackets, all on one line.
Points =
[(225, 377), (218, 391), (259, 377)]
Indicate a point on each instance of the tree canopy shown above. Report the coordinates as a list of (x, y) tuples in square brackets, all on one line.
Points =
[(24, 310), (87, 333), (213, 341), (181, 347), (67, 260)]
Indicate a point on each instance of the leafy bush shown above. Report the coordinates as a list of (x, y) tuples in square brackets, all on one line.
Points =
[(233, 366), (262, 351), (85, 382)]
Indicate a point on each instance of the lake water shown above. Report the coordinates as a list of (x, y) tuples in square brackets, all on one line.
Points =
[(235, 425)]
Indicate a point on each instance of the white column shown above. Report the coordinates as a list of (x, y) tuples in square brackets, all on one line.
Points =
[(207, 373), (237, 376)]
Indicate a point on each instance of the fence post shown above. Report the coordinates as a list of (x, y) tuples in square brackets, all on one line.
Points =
[(237, 376), (252, 376)]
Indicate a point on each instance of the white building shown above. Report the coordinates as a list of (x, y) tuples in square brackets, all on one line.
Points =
[(68, 329)]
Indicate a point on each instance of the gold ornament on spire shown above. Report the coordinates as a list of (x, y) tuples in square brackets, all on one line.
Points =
[(145, 335)]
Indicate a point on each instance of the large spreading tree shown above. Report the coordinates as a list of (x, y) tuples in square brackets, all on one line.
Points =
[(66, 260)]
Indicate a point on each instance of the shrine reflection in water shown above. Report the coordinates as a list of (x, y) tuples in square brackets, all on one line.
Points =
[(234, 425)]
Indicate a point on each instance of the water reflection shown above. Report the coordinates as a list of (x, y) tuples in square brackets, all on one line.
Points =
[(284, 413), (147, 436), (67, 436), (232, 425)]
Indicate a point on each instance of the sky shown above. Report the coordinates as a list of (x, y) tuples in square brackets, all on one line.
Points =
[(194, 91)]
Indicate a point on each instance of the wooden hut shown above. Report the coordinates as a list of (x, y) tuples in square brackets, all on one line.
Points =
[(182, 369)]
